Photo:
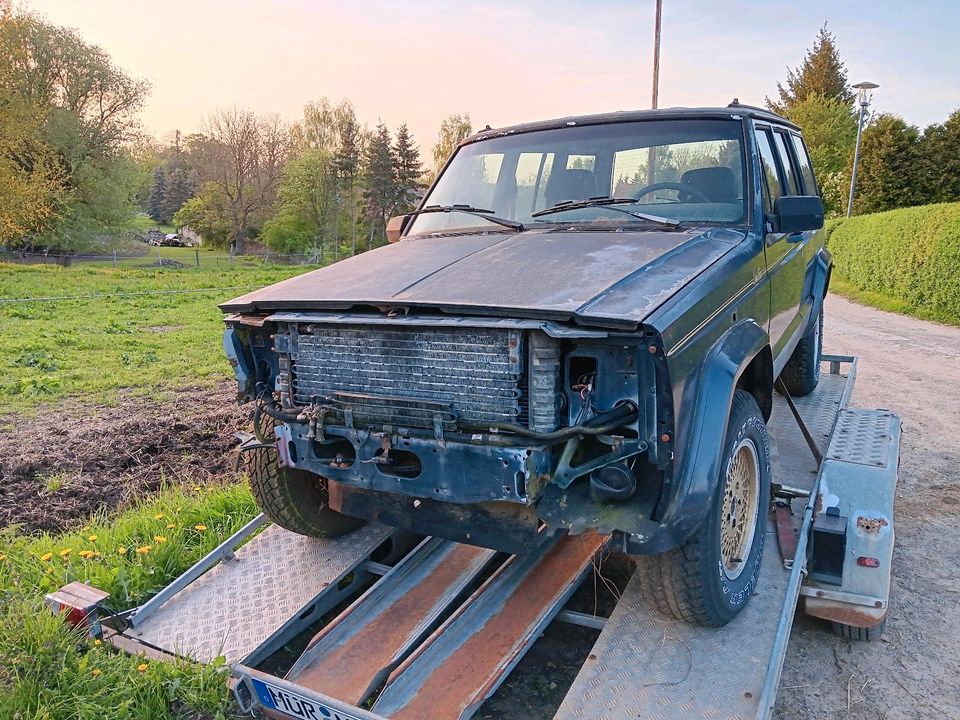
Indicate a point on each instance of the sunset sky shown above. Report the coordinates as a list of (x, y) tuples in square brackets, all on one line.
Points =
[(504, 62)]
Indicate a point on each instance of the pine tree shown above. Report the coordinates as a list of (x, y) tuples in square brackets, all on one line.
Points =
[(409, 169), (380, 192), (888, 176), (346, 165), (155, 201), (822, 73), (177, 190)]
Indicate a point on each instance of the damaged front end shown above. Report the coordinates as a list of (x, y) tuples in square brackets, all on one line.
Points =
[(485, 430)]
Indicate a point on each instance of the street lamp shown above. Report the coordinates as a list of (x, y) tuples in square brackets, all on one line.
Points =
[(863, 97)]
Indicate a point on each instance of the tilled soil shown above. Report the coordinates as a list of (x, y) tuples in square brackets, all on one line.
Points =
[(69, 461)]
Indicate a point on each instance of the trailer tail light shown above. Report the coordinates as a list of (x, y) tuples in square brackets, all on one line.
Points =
[(77, 602), (868, 562)]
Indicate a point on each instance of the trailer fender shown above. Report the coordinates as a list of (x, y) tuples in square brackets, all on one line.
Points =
[(688, 498)]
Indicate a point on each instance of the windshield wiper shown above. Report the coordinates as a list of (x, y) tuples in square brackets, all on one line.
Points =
[(610, 203), (470, 210)]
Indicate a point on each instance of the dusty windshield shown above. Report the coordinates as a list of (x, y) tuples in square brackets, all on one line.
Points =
[(685, 170)]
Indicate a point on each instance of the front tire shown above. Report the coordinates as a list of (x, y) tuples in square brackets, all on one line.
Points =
[(802, 371), (710, 578), (295, 500)]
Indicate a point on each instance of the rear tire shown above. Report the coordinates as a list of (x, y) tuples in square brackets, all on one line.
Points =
[(866, 634), (295, 500), (702, 581), (802, 371)]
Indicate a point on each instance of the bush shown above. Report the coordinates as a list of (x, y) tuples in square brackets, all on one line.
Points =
[(910, 256)]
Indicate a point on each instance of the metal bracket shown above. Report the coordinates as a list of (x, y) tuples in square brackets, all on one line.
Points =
[(566, 473)]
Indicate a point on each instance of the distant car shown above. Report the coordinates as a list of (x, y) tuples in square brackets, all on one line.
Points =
[(154, 237)]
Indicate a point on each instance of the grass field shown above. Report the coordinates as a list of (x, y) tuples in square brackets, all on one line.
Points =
[(142, 223), (91, 331)]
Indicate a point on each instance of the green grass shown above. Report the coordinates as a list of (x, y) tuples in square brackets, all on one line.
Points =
[(94, 346), (142, 223), (49, 671)]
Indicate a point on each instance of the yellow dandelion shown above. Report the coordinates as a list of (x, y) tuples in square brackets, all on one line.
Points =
[(65, 552), (86, 554), (158, 516), (98, 643), (92, 538), (200, 527), (178, 509), (143, 549), (3, 558), (121, 551), (142, 667), (170, 526), (160, 539), (96, 672), (47, 557), (50, 571)]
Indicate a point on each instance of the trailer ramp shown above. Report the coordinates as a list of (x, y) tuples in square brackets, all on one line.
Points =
[(646, 665)]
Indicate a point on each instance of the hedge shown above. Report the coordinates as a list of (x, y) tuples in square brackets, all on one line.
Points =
[(909, 256)]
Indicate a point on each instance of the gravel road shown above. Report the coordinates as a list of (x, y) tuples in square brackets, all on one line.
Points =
[(913, 368)]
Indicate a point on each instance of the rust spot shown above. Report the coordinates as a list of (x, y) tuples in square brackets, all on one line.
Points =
[(844, 613), (347, 672), (871, 525), (469, 673)]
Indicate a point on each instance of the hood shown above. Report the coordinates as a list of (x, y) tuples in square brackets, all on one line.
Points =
[(611, 278)]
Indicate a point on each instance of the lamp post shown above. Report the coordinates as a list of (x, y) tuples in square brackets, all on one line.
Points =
[(654, 99), (863, 89)]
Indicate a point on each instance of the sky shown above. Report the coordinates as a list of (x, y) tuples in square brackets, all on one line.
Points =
[(505, 62)]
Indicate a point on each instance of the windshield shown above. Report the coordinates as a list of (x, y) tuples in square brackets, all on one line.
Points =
[(684, 170)]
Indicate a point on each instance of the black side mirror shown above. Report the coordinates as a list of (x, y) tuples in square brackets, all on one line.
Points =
[(797, 213)]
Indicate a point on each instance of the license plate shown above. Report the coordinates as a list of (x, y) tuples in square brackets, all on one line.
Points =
[(295, 706)]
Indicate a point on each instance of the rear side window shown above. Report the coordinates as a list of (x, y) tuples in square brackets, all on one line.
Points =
[(786, 162), (769, 163), (806, 167)]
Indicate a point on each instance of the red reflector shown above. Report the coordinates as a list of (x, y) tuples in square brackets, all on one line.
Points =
[(868, 562)]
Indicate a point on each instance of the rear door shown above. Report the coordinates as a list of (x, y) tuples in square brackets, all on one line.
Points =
[(785, 253)]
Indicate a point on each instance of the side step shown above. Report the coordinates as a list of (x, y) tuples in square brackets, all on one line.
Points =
[(467, 658), (353, 655)]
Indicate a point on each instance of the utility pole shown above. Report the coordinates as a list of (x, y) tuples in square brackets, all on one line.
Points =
[(862, 90), (652, 152)]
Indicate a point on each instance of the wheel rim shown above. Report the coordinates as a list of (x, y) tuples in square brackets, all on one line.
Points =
[(741, 499)]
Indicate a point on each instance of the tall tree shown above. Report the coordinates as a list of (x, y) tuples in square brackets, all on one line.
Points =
[(155, 203), (242, 155), (178, 189), (346, 163), (380, 192), (830, 133), (888, 176), (940, 160), (822, 73), (453, 129), (409, 170)]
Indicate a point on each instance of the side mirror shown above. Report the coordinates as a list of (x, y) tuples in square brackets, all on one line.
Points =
[(797, 213), (395, 226)]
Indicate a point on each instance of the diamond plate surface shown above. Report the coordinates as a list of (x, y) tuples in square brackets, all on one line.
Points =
[(862, 437), (239, 603), (819, 410), (650, 666)]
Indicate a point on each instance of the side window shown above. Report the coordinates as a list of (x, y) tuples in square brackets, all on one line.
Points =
[(786, 162), (769, 163), (806, 167)]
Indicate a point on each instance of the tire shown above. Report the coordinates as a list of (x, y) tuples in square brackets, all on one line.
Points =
[(295, 500), (867, 634), (694, 582), (802, 371)]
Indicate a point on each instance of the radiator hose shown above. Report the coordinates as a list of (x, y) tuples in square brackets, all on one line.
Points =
[(599, 424)]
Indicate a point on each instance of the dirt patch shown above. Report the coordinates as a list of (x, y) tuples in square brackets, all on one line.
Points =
[(62, 465)]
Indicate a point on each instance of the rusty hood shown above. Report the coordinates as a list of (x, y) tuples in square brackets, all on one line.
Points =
[(613, 278)]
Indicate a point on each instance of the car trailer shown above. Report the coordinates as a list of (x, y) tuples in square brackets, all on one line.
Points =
[(430, 628)]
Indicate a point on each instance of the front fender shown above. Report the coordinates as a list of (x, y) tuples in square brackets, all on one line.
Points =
[(687, 499)]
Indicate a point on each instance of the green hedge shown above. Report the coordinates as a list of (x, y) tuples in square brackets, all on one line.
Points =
[(908, 257)]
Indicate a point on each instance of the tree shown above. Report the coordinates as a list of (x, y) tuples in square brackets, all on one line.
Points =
[(380, 192), (155, 203), (242, 155), (409, 169), (940, 160), (888, 176), (82, 116), (830, 133), (177, 191), (207, 213), (453, 129), (822, 73)]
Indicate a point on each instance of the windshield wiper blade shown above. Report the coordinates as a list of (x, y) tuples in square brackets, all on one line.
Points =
[(609, 203), (470, 210)]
